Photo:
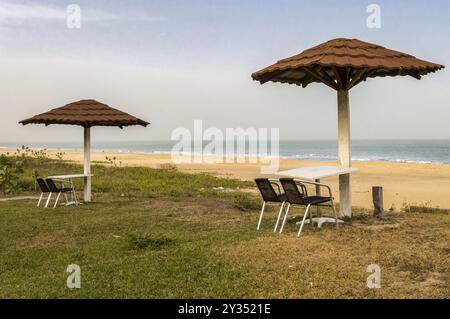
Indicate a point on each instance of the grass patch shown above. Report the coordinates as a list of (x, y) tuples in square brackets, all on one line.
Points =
[(177, 235), (132, 181), (245, 202), (426, 210), (144, 240)]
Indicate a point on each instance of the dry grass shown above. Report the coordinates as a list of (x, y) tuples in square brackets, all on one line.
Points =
[(411, 249), (60, 238)]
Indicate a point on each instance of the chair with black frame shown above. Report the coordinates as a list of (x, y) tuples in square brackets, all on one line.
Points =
[(44, 190), (270, 196), (297, 194), (57, 190)]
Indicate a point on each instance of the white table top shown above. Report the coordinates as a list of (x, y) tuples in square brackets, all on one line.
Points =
[(317, 172), (71, 176)]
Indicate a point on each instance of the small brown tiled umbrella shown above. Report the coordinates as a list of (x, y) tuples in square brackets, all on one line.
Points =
[(341, 64), (86, 113)]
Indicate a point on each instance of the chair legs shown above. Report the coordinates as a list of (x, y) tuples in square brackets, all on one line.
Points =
[(56, 201), (261, 215), (307, 211), (278, 219), (279, 216), (48, 199), (66, 198), (304, 218), (335, 215), (286, 213), (285, 217), (40, 199), (74, 196)]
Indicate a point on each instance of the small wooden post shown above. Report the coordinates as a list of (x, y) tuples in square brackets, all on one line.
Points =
[(87, 164), (377, 196), (345, 199), (319, 212)]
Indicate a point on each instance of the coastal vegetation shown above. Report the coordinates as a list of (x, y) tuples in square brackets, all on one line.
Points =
[(161, 233)]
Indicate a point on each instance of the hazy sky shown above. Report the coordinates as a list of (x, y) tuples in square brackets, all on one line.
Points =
[(171, 62)]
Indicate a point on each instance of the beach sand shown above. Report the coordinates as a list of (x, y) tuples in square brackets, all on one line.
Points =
[(403, 183)]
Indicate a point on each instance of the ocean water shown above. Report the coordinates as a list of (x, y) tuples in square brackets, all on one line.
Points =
[(410, 151)]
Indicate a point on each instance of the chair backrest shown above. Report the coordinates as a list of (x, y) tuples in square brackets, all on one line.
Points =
[(52, 186), (42, 185), (295, 192), (268, 193)]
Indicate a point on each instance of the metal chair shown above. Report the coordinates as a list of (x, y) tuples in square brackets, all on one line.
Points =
[(58, 190), (297, 194), (44, 190), (270, 195)]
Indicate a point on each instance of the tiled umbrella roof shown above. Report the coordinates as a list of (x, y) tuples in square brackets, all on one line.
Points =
[(86, 113), (342, 64)]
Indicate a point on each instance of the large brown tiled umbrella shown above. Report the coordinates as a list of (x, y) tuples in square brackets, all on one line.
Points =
[(342, 64), (86, 113)]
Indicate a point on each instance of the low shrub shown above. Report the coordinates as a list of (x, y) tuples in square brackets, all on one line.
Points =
[(10, 170)]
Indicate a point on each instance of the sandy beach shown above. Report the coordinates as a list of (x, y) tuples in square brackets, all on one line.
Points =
[(403, 183)]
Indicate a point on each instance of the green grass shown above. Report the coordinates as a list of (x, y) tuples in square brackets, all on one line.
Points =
[(135, 181), (177, 258), (181, 235)]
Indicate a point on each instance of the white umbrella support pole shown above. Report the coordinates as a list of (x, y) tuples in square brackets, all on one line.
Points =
[(87, 164), (345, 199)]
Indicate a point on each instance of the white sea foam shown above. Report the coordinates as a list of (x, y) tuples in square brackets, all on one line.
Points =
[(420, 152)]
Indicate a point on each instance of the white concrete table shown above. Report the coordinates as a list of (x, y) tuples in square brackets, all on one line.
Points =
[(70, 178), (316, 173)]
